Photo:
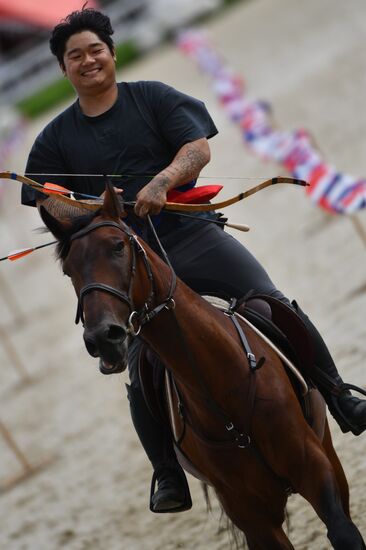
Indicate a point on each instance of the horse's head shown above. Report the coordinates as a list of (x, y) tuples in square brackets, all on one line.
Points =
[(99, 253)]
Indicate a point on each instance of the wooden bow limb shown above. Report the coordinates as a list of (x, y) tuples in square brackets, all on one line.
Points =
[(233, 200), (94, 205), (83, 205)]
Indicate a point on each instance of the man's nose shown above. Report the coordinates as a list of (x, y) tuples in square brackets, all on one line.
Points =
[(88, 59)]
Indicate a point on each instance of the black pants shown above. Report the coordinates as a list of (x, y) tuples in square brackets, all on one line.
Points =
[(212, 261)]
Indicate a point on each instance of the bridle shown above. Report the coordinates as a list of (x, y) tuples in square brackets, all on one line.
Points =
[(137, 319)]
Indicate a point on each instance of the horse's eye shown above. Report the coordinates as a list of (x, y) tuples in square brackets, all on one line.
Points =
[(118, 247)]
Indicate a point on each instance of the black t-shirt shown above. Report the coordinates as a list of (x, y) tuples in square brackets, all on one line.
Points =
[(137, 138)]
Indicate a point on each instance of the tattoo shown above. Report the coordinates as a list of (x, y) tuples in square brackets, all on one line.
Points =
[(162, 182), (191, 161), (186, 166)]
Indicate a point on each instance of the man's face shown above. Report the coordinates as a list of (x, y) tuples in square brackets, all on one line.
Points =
[(89, 64)]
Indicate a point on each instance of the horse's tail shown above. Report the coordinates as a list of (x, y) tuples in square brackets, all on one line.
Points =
[(237, 538)]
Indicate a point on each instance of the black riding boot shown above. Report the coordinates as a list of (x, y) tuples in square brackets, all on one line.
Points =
[(348, 411), (172, 494)]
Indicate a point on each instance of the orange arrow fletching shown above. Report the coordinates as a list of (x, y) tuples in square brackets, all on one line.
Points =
[(17, 254), (56, 189)]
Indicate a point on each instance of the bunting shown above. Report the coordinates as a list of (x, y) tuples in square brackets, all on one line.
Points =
[(294, 150)]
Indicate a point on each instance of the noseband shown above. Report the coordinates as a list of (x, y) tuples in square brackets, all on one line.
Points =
[(136, 318)]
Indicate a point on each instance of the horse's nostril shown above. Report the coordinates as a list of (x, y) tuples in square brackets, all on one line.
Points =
[(91, 348), (115, 332)]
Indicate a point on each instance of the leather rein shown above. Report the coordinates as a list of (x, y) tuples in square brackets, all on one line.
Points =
[(137, 319)]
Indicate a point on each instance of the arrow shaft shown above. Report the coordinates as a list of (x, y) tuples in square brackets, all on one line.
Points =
[(25, 251)]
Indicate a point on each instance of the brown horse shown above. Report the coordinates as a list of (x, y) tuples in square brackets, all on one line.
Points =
[(246, 434)]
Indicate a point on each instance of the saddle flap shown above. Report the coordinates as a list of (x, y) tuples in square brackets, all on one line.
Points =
[(284, 318)]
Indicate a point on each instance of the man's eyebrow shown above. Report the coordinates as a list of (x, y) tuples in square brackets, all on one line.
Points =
[(77, 50)]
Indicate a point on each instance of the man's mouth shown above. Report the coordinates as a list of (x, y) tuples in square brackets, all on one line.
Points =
[(91, 72)]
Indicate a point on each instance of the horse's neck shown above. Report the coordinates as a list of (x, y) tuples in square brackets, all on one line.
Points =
[(189, 336)]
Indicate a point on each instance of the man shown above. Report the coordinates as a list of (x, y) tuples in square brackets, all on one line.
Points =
[(156, 138)]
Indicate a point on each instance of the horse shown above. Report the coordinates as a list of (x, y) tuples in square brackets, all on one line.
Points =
[(247, 435)]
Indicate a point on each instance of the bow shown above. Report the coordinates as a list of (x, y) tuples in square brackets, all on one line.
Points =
[(93, 205)]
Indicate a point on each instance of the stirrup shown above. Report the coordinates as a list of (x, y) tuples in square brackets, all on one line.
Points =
[(331, 392), (336, 411), (187, 501), (355, 429)]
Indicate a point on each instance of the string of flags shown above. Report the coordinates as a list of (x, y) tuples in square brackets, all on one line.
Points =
[(295, 150)]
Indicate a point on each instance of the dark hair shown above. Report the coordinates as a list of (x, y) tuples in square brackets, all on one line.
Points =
[(78, 21)]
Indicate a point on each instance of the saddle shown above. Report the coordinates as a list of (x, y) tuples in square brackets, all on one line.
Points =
[(279, 323)]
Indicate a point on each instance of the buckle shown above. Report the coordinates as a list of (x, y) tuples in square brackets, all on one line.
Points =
[(131, 328), (243, 441), (252, 360), (170, 304)]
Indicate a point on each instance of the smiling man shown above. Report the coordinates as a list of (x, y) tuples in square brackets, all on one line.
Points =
[(156, 139), (89, 64)]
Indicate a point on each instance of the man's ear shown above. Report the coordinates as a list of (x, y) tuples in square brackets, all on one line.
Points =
[(57, 227), (63, 68)]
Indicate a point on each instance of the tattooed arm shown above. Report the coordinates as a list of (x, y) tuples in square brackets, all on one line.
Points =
[(185, 167)]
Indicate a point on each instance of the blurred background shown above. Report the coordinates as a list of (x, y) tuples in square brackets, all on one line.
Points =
[(72, 473)]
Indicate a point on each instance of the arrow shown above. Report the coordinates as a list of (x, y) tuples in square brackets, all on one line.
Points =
[(18, 254)]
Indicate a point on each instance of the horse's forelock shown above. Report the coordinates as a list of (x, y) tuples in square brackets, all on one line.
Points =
[(78, 223)]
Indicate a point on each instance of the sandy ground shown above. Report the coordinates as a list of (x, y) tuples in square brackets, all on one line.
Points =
[(307, 59)]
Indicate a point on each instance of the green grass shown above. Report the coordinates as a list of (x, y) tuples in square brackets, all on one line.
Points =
[(61, 89)]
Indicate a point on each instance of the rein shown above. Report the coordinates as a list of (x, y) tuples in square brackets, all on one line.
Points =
[(239, 439)]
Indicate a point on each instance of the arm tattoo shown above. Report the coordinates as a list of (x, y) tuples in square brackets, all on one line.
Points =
[(186, 166), (191, 161)]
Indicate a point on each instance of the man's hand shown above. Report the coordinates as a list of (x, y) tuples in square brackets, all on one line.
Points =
[(186, 166), (152, 198)]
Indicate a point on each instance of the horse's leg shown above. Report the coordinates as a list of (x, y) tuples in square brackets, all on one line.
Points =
[(261, 517), (267, 536), (338, 469), (317, 482)]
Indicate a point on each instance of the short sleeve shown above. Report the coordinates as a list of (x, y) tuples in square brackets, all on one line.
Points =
[(43, 159), (182, 118)]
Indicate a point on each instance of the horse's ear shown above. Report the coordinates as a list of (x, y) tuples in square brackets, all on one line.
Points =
[(112, 206), (57, 227)]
